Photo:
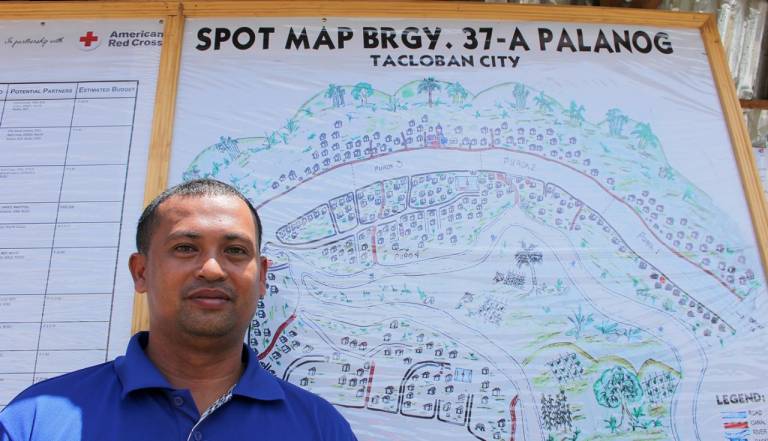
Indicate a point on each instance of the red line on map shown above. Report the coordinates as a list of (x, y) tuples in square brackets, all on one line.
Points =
[(574, 218), (513, 418), (280, 329), (370, 383), (374, 257)]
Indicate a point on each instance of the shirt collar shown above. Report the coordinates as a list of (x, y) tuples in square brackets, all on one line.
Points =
[(136, 371)]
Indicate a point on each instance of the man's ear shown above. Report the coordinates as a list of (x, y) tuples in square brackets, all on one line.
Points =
[(137, 264), (263, 269)]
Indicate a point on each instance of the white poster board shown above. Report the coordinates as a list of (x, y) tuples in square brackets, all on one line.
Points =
[(76, 101), (488, 229)]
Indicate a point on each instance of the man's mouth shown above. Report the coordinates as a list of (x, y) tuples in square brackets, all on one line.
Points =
[(209, 298)]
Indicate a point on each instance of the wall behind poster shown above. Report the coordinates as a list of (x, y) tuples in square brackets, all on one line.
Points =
[(488, 229), (76, 101)]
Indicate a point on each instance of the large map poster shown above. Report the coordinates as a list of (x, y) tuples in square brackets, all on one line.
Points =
[(76, 101), (488, 230)]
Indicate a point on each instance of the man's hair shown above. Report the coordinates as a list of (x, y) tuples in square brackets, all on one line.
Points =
[(194, 188)]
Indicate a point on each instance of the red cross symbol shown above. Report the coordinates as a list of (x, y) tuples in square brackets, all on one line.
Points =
[(88, 38)]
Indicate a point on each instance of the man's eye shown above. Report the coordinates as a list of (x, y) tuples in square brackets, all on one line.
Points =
[(184, 248), (237, 250)]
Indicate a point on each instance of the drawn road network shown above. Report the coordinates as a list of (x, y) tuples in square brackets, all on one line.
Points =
[(488, 266)]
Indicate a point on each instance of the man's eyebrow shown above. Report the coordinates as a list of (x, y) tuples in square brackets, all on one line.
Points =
[(189, 234), (237, 236)]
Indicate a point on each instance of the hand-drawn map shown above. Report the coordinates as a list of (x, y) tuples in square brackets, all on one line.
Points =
[(482, 258)]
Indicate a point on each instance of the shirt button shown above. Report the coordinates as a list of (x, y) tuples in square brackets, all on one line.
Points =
[(178, 401), (198, 435)]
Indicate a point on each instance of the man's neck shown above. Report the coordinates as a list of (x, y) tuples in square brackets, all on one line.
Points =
[(208, 368)]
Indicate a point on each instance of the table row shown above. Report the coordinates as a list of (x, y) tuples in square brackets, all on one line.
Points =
[(65, 90), (68, 113), (55, 308), (65, 146), (71, 183), (57, 270)]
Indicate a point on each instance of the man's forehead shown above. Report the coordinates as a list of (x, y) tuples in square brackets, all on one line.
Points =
[(180, 208)]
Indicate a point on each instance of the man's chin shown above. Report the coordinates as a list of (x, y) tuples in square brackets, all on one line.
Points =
[(208, 327)]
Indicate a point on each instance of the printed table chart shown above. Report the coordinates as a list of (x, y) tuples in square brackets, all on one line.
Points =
[(64, 150)]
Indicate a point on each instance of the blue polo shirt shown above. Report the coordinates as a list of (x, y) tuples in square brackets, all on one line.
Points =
[(129, 399)]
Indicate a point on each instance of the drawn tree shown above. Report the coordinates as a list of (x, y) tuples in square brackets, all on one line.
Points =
[(616, 388), (336, 94), (361, 92), (394, 104), (521, 96), (575, 113), (457, 92), (579, 321), (616, 121), (428, 85), (270, 139), (645, 135), (544, 103), (228, 145), (291, 125), (528, 256)]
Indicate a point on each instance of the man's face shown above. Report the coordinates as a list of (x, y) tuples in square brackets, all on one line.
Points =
[(202, 272)]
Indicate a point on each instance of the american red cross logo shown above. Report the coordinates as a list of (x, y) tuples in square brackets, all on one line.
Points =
[(88, 39)]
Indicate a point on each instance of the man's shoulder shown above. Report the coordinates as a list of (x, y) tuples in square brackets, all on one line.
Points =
[(55, 405), (62, 391)]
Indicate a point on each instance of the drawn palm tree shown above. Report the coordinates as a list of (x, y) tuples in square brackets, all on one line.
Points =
[(529, 256), (645, 135), (521, 95), (361, 92), (616, 121), (270, 139), (428, 85), (575, 113), (544, 102), (335, 93), (457, 92), (291, 125)]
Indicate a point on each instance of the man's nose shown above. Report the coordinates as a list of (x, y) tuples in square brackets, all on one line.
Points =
[(211, 270)]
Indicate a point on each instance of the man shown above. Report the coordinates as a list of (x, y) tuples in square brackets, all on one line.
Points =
[(191, 377)]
